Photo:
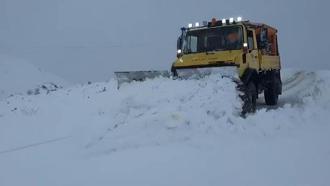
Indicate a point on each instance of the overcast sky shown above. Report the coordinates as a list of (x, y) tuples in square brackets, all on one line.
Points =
[(83, 40)]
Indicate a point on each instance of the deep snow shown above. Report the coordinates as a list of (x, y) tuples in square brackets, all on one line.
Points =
[(166, 132)]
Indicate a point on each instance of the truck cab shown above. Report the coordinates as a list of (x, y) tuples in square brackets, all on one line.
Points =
[(250, 47)]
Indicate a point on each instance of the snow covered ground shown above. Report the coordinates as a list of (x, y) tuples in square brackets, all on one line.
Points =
[(166, 132), (20, 77)]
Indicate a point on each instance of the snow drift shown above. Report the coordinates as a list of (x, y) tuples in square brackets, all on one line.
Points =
[(20, 77), (152, 106), (166, 132)]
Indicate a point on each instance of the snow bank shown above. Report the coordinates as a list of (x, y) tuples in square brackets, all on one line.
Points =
[(166, 132), (18, 76), (156, 109)]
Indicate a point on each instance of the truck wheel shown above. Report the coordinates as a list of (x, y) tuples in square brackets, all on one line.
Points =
[(271, 95), (250, 100)]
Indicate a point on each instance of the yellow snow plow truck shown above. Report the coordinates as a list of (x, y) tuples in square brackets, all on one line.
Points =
[(244, 51)]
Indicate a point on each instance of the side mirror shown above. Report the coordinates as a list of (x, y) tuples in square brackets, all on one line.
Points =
[(245, 48), (179, 43)]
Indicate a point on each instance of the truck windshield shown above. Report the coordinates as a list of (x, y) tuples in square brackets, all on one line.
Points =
[(213, 39)]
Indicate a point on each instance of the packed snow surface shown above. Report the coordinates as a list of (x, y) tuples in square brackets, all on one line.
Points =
[(167, 132)]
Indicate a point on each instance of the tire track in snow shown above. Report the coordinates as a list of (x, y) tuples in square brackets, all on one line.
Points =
[(293, 81), (303, 84), (295, 88)]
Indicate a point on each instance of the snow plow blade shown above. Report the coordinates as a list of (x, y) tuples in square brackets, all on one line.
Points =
[(197, 73), (127, 77)]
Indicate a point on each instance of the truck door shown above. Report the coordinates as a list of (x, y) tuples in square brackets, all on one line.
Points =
[(252, 55)]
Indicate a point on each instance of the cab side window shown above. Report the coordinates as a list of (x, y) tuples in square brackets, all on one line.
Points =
[(267, 41), (250, 40)]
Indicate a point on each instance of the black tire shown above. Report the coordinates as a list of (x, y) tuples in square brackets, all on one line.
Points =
[(273, 89), (250, 99), (271, 95)]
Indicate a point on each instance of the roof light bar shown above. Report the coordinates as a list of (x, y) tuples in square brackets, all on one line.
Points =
[(231, 20), (215, 22)]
